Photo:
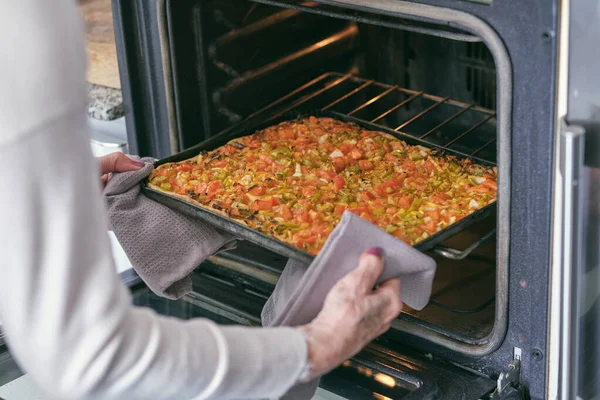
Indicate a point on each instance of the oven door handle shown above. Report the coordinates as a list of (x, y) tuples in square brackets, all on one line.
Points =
[(571, 169)]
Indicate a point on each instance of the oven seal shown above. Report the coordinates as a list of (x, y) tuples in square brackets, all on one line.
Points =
[(496, 47)]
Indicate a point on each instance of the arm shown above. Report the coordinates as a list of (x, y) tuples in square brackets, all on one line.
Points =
[(67, 319)]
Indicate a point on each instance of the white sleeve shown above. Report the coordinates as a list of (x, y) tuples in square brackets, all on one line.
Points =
[(67, 319)]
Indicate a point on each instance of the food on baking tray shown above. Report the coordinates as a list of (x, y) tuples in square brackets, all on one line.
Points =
[(294, 180)]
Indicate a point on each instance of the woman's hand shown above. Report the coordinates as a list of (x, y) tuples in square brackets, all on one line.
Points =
[(117, 162), (353, 314)]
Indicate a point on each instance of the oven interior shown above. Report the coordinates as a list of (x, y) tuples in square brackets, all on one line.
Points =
[(232, 60)]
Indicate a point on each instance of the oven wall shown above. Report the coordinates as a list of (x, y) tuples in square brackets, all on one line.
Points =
[(527, 29)]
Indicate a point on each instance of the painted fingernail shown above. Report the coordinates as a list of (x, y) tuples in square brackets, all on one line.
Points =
[(375, 251), (138, 163)]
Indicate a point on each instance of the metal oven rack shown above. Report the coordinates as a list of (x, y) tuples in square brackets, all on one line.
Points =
[(441, 121)]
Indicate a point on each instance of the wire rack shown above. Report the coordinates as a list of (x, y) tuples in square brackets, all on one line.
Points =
[(440, 121)]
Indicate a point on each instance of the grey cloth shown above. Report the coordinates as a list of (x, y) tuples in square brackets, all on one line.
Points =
[(301, 290), (164, 246)]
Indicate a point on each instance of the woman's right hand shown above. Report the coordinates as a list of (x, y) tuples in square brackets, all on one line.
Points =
[(353, 314)]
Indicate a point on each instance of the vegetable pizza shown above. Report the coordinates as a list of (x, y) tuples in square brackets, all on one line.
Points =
[(294, 181)]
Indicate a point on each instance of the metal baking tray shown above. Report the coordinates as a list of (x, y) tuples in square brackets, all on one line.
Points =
[(242, 231)]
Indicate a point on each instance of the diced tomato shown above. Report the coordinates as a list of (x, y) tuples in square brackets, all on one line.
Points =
[(235, 212), (213, 187), (302, 216), (245, 199), (405, 202), (390, 157), (338, 183), (184, 168), (430, 226), (490, 184), (368, 134), (365, 165), (314, 216), (327, 196), (264, 204), (356, 154), (339, 209), (201, 188), (359, 210), (285, 212), (347, 148), (338, 164), (257, 190), (391, 210), (328, 175), (287, 134), (439, 198), (309, 191), (367, 195), (220, 163), (434, 214)]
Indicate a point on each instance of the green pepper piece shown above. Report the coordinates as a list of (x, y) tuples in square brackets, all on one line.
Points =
[(415, 205), (415, 156)]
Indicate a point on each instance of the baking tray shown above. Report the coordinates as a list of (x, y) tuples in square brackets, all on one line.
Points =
[(242, 231)]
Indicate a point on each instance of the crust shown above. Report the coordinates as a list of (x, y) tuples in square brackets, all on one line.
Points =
[(188, 199)]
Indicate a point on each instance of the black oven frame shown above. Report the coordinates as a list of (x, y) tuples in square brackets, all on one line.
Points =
[(527, 33)]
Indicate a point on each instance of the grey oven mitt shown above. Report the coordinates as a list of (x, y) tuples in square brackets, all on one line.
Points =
[(301, 290), (163, 245)]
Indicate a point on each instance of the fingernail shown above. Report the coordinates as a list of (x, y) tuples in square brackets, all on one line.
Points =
[(138, 163), (375, 251)]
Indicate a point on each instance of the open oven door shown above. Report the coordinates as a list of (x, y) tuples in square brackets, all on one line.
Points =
[(574, 362)]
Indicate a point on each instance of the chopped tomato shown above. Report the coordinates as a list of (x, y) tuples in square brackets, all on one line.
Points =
[(490, 184), (434, 214), (301, 216), (359, 210), (264, 204), (220, 163), (328, 175), (235, 212), (365, 165), (213, 187), (405, 202), (309, 191), (430, 226), (287, 134), (439, 198), (338, 164), (369, 195), (245, 199), (338, 183), (257, 190), (200, 188), (285, 212), (327, 196), (356, 154), (391, 210), (347, 148), (339, 209), (184, 168)]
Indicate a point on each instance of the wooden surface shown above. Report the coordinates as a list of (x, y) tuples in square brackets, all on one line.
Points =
[(103, 69)]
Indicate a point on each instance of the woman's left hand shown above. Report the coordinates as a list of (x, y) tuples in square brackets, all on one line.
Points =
[(117, 162)]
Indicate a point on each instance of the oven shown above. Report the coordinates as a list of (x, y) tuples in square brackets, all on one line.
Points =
[(514, 309)]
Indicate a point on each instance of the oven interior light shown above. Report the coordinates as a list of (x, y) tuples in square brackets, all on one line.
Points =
[(385, 380)]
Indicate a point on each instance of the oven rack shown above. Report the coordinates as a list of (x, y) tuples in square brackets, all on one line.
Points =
[(441, 121), (332, 89)]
